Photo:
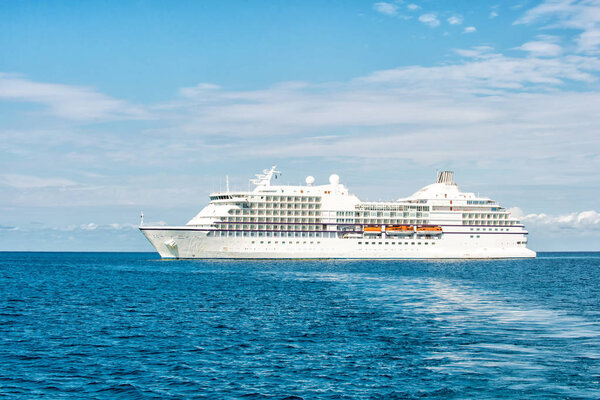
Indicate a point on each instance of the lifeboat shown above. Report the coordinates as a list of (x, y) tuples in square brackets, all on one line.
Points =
[(399, 230), (372, 229), (429, 230)]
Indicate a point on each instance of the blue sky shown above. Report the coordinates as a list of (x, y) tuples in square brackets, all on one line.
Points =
[(112, 107)]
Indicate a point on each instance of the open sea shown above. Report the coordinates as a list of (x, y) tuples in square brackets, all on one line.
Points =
[(130, 326)]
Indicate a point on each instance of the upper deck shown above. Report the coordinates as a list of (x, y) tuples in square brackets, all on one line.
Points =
[(329, 206)]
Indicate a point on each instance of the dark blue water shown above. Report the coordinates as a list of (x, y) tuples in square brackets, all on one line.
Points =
[(110, 326)]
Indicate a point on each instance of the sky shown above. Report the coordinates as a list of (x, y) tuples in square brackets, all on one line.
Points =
[(108, 108)]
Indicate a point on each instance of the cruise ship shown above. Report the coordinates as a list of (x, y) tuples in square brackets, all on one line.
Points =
[(311, 221)]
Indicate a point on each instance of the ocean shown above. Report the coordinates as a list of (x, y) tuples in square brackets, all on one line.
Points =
[(130, 326)]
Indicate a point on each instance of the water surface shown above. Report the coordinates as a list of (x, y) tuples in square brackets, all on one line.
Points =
[(114, 325)]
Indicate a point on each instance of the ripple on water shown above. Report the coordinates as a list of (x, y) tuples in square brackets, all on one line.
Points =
[(126, 326)]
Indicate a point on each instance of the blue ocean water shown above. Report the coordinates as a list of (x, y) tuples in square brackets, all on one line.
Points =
[(114, 325)]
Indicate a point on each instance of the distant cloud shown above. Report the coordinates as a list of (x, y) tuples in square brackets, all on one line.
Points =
[(198, 90), (413, 7), (455, 20), (386, 8), (589, 41), (70, 102), (469, 29), (430, 20), (541, 48), (89, 227), (493, 15), (29, 182), (92, 226), (583, 15), (588, 220)]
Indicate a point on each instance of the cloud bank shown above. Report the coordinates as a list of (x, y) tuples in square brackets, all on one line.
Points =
[(66, 101)]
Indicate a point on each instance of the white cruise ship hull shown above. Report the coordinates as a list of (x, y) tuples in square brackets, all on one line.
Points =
[(189, 243)]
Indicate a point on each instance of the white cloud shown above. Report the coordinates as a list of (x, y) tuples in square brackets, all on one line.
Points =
[(469, 29), (31, 182), (491, 70), (583, 15), (541, 48), (413, 7), (430, 20), (589, 41), (455, 20), (89, 227), (585, 220), (70, 102), (386, 8), (493, 15), (501, 107), (201, 89)]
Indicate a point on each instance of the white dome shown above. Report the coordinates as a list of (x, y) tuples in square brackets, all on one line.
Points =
[(334, 179), (310, 180)]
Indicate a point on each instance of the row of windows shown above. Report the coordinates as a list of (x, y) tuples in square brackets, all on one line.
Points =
[(330, 235), (488, 222), (384, 214), (390, 207), (491, 229), (284, 206), (488, 216), (399, 243), (481, 202), (290, 198), (271, 227), (361, 243), (272, 212), (382, 221), (271, 219), (284, 242)]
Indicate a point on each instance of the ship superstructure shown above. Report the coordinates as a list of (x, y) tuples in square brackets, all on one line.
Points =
[(327, 221)]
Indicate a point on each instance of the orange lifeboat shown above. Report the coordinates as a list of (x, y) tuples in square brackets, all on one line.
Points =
[(372, 229), (399, 230), (429, 230)]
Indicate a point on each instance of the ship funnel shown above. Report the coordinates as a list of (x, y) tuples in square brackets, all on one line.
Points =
[(446, 177)]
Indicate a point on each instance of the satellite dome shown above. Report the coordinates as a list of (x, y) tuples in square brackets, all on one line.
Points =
[(334, 179), (310, 180)]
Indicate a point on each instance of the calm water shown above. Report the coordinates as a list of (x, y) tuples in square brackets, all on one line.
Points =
[(129, 326)]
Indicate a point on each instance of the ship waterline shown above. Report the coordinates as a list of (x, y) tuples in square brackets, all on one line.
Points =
[(326, 221)]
